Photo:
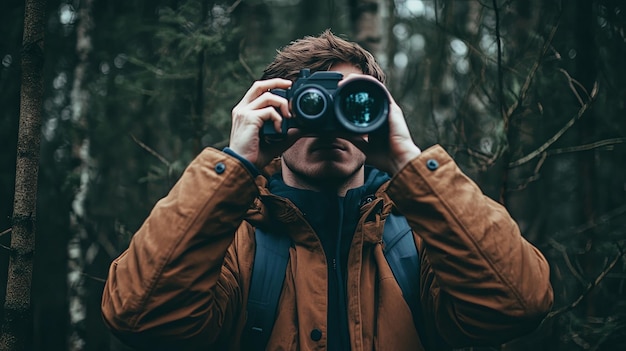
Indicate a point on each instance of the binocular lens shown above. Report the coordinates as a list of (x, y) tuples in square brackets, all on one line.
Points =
[(360, 108), (362, 105), (311, 103)]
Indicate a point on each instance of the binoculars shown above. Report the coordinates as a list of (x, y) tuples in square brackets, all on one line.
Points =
[(320, 105)]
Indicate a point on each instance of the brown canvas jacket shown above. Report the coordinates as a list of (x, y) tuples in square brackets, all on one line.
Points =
[(183, 282)]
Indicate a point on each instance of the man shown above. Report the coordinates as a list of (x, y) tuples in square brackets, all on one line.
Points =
[(185, 279)]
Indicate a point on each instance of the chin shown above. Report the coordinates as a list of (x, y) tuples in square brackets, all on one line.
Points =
[(335, 171)]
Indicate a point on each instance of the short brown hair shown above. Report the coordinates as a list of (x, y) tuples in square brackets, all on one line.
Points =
[(319, 54)]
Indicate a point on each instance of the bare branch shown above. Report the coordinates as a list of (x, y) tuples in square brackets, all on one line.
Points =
[(159, 72), (603, 219), (608, 143), (233, 6), (587, 147), (100, 280), (590, 286), (524, 184), (151, 151), (486, 160), (533, 71), (6, 231), (563, 250), (533, 177), (243, 62), (555, 137), (572, 84), (505, 117)]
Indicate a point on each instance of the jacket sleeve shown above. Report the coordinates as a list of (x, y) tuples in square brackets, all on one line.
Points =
[(176, 286), (482, 282)]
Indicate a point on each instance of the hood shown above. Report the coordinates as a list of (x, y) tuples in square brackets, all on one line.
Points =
[(278, 200), (308, 200)]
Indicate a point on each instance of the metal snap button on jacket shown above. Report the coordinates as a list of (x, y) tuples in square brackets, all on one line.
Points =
[(432, 164), (220, 167), (316, 334)]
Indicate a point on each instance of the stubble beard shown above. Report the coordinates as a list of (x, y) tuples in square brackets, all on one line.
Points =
[(326, 177)]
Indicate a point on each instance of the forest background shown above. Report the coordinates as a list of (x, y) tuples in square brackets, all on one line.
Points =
[(529, 97)]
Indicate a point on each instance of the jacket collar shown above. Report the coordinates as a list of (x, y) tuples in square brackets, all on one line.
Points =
[(270, 210)]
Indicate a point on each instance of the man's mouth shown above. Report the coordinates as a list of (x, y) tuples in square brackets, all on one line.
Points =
[(328, 146)]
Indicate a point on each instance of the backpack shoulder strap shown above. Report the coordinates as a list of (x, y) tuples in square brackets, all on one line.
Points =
[(403, 258), (268, 274)]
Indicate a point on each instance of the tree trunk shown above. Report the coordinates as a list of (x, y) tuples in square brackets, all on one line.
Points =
[(79, 242), (16, 326), (367, 28)]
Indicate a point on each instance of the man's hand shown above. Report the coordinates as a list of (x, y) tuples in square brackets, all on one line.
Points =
[(393, 150), (258, 106)]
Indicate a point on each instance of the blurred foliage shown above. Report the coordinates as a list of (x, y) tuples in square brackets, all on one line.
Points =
[(527, 95)]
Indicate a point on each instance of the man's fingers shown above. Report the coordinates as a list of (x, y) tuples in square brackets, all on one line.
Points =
[(270, 114), (269, 99), (262, 86)]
